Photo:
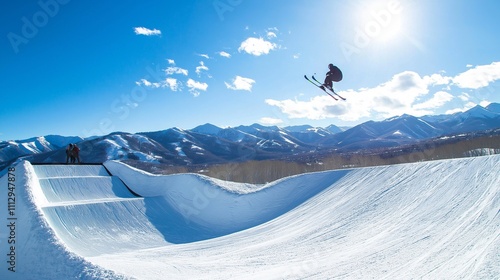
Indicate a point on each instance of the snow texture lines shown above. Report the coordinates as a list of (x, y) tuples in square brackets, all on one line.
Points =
[(436, 219)]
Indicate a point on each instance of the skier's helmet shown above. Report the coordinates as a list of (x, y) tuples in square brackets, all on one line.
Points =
[(330, 66)]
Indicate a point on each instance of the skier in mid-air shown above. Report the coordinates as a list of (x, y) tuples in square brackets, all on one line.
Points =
[(334, 75)]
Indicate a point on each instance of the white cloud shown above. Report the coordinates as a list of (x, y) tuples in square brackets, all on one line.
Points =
[(176, 70), (467, 106), (148, 83), (240, 83), (147, 32), (271, 35), (168, 82), (270, 121), (224, 54), (404, 93), (195, 87), (464, 96), (479, 76), (437, 79), (439, 99), (319, 107), (256, 46), (395, 97), (200, 68), (171, 61), (204, 56), (484, 103), (172, 84)]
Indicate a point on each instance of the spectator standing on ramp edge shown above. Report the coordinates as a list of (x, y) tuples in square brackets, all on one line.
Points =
[(72, 154)]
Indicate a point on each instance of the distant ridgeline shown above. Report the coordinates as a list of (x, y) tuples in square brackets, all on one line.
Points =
[(395, 140)]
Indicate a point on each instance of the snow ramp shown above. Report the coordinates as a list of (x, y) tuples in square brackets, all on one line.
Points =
[(34, 247), (435, 220)]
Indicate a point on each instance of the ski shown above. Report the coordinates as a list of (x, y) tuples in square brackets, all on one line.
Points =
[(319, 86), (330, 89)]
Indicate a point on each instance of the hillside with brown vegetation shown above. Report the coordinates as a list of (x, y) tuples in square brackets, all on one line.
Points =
[(263, 171)]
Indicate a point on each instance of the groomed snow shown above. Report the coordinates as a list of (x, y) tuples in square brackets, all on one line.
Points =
[(434, 220)]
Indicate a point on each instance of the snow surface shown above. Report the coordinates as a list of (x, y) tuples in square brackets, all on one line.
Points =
[(433, 220)]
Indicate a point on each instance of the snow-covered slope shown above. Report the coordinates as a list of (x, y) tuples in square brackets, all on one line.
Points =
[(436, 220), (32, 248)]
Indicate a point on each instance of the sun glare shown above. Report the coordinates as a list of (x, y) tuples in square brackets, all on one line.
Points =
[(379, 21)]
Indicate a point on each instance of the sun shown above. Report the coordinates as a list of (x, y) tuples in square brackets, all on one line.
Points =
[(391, 32), (379, 21)]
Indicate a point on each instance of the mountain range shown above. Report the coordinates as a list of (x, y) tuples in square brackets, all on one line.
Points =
[(209, 144)]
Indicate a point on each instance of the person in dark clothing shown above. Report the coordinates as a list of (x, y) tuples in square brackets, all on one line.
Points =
[(333, 75), (76, 153), (72, 154), (69, 154)]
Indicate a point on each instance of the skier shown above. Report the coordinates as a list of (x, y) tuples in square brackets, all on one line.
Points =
[(334, 75)]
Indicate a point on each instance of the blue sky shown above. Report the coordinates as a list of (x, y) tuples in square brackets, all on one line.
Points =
[(76, 68)]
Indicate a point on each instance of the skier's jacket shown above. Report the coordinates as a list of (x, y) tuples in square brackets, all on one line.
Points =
[(334, 74), (75, 150)]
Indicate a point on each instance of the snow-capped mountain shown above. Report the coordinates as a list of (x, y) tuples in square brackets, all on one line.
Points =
[(477, 118), (207, 128), (10, 150), (388, 133), (406, 129), (207, 144), (309, 134)]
